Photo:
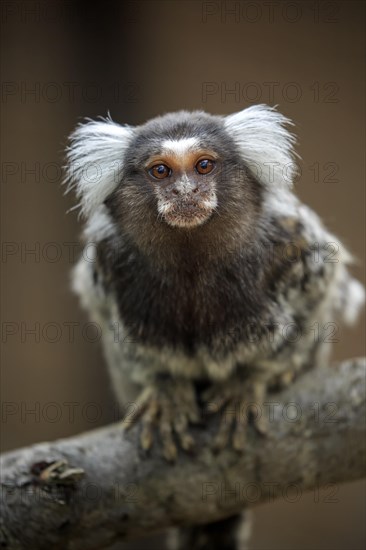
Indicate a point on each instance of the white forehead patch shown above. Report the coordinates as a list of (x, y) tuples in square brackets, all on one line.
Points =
[(179, 147)]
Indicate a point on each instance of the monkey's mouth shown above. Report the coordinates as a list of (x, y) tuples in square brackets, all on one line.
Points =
[(189, 213)]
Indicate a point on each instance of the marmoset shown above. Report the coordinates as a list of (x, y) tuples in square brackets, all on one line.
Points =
[(202, 267)]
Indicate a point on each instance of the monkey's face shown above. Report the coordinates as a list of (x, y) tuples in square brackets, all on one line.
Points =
[(186, 167), (182, 177)]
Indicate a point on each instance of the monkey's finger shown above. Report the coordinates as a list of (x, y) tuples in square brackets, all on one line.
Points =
[(215, 403), (257, 408), (185, 403), (262, 425), (137, 409), (220, 394), (192, 412), (188, 394), (181, 427), (188, 404), (169, 447), (222, 437), (285, 379), (194, 415), (170, 451), (259, 390), (149, 419), (239, 435)]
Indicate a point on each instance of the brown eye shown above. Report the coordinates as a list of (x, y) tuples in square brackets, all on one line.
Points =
[(160, 171), (205, 166)]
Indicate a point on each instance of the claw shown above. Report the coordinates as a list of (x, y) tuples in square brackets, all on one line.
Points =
[(235, 400), (169, 409)]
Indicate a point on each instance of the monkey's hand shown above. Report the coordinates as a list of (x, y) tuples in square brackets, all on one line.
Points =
[(237, 401), (168, 407)]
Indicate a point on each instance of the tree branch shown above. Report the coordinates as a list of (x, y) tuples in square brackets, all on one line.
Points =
[(91, 490)]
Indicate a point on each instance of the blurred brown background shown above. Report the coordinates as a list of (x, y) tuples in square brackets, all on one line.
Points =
[(62, 61)]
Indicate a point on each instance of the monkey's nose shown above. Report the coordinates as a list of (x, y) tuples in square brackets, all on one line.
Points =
[(184, 192)]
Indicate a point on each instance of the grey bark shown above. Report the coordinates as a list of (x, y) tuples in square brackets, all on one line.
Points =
[(89, 491)]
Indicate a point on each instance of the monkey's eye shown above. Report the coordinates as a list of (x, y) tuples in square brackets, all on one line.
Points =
[(205, 166), (160, 171)]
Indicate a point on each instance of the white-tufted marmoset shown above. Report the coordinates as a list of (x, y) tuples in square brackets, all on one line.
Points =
[(206, 270)]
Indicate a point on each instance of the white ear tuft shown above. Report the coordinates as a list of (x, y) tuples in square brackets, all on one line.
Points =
[(94, 161), (265, 144)]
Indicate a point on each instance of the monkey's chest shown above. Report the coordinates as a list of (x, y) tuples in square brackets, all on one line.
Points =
[(186, 312)]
